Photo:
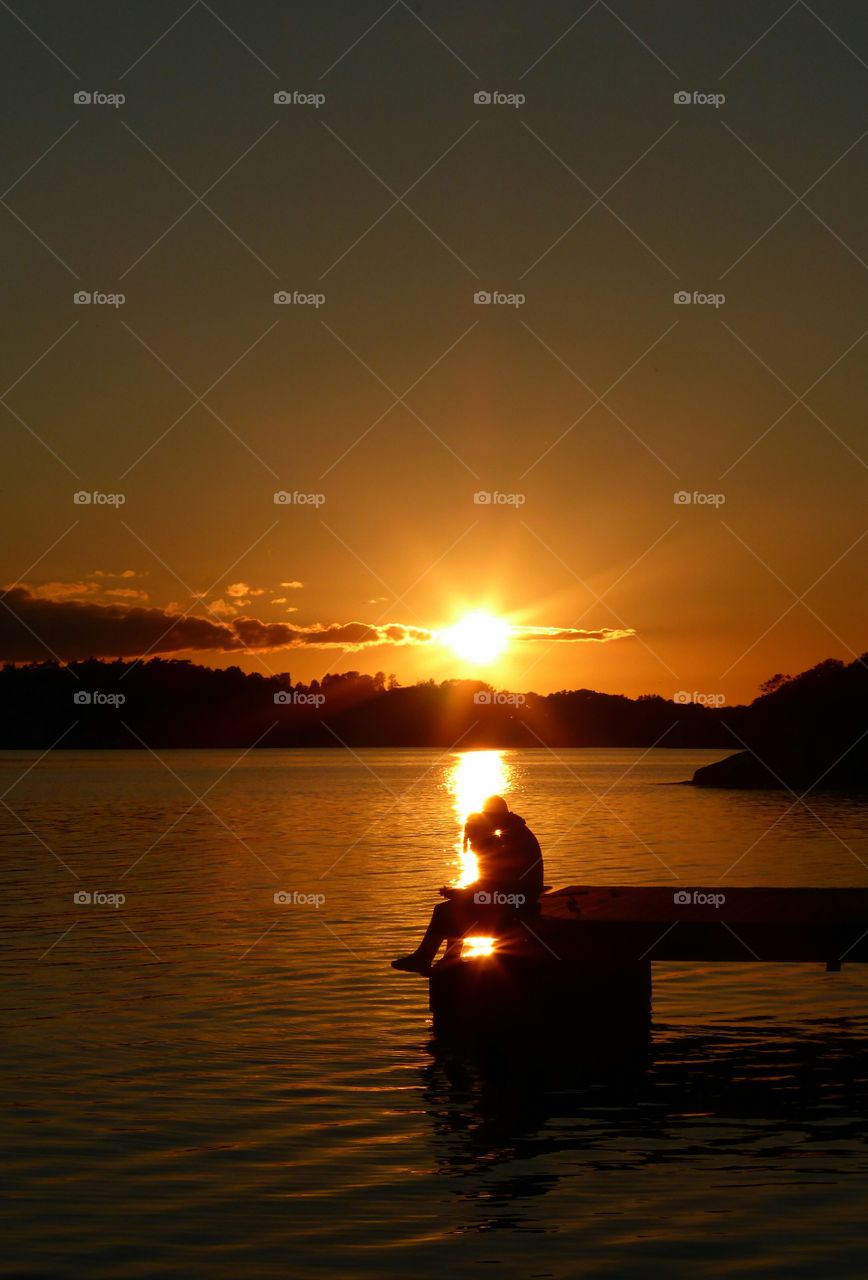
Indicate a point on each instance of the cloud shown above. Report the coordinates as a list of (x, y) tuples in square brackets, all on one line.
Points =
[(254, 634), (86, 590), (223, 608), (242, 591), (40, 623), (292, 586), (240, 594), (127, 593), (65, 590), (572, 635), (35, 627)]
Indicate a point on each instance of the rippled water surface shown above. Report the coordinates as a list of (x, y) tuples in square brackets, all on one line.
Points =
[(204, 1081)]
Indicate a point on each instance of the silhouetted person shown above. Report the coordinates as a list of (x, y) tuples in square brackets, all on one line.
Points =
[(515, 858), (509, 862)]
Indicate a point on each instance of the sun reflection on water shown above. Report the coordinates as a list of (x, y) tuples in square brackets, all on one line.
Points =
[(474, 948), (474, 776)]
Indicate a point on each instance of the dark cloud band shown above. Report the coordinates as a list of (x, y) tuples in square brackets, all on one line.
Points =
[(33, 629)]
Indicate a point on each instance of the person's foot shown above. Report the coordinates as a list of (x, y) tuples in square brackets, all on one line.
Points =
[(412, 964)]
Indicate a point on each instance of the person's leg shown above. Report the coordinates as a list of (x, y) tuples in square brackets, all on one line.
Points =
[(443, 925)]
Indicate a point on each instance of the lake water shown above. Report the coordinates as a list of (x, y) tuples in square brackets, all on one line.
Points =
[(204, 1082)]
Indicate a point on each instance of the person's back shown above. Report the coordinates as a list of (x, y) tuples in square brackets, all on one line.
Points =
[(519, 862)]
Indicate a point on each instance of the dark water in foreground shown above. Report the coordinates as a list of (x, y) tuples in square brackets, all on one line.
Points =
[(205, 1082)]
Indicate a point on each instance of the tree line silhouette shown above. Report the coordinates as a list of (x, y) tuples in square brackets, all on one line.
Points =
[(176, 703)]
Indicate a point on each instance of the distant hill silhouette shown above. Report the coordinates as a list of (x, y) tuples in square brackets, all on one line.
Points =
[(808, 732), (174, 703)]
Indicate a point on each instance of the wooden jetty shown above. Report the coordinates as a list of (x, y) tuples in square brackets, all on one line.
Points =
[(583, 954)]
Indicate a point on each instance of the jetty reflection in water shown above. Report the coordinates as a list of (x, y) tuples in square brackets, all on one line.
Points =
[(745, 1100)]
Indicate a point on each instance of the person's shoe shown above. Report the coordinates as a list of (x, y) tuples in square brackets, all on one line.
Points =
[(412, 964)]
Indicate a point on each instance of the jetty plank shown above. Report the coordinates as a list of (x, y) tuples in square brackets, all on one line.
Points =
[(614, 924)]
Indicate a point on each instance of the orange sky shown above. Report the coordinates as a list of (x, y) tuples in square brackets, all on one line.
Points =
[(396, 397)]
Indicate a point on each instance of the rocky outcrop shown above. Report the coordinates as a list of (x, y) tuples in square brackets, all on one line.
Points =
[(798, 771)]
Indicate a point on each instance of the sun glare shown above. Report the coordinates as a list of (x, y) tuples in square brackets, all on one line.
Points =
[(473, 948), (478, 637)]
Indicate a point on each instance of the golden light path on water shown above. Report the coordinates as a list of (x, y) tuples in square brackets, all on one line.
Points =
[(474, 776)]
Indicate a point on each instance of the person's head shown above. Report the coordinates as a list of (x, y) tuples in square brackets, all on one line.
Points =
[(495, 807), (479, 831)]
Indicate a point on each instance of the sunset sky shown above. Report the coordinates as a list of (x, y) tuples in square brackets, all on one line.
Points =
[(392, 398)]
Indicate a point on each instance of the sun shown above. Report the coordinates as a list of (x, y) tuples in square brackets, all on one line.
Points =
[(478, 637)]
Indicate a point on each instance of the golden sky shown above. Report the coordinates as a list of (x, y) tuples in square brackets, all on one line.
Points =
[(582, 403)]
